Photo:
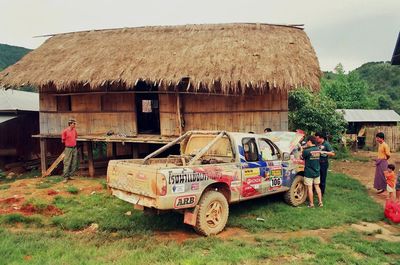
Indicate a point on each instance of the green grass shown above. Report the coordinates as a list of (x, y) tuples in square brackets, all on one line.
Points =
[(127, 239), (15, 218), (26, 175), (72, 189), (41, 247), (49, 182), (5, 187), (38, 203), (345, 201), (109, 213)]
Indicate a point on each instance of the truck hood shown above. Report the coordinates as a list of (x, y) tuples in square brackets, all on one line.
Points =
[(286, 141)]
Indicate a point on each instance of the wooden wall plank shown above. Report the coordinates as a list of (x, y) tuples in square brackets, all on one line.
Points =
[(47, 102), (201, 112), (86, 102)]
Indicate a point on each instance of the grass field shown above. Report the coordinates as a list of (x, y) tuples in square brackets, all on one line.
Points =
[(123, 238), (58, 247)]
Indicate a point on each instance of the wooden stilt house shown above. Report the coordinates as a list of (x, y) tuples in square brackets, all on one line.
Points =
[(137, 86)]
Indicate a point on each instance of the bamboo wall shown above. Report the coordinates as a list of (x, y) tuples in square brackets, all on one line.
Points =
[(242, 114), (98, 114), (392, 136), (95, 114)]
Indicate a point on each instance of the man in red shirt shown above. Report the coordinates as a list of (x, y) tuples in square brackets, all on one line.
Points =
[(68, 137)]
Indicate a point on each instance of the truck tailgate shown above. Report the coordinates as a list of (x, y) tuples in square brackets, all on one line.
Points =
[(132, 177)]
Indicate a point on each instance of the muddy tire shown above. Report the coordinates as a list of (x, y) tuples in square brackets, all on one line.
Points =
[(213, 213), (297, 194)]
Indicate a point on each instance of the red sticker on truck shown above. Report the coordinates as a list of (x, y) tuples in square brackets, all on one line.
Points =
[(253, 180), (185, 201)]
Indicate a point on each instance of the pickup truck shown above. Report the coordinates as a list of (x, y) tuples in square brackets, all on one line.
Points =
[(213, 170)]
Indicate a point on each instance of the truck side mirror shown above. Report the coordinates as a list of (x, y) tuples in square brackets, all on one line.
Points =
[(286, 156)]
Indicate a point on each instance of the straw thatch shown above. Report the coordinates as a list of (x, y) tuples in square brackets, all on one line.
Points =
[(224, 58)]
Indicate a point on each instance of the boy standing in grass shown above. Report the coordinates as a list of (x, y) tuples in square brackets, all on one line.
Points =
[(311, 156), (390, 181)]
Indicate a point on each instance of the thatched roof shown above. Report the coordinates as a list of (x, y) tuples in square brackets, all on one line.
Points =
[(222, 58)]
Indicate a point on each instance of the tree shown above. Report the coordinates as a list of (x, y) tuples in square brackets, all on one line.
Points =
[(313, 112), (384, 102), (347, 91)]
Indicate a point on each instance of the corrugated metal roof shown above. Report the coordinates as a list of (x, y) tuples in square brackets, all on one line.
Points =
[(6, 118), (18, 100), (369, 115)]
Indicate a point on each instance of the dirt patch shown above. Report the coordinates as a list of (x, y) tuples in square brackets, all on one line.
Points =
[(17, 205), (177, 236), (323, 234), (52, 192), (28, 209), (13, 200), (378, 230), (28, 188), (364, 171)]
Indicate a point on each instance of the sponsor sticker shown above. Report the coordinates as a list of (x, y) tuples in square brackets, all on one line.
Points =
[(185, 201), (254, 182), (185, 177), (178, 188), (251, 172), (276, 171), (195, 186)]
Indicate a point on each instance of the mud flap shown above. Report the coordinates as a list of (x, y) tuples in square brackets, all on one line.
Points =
[(190, 216)]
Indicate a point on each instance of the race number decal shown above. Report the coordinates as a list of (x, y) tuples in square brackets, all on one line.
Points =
[(275, 182)]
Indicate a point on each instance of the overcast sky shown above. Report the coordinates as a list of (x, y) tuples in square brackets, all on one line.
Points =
[(351, 32)]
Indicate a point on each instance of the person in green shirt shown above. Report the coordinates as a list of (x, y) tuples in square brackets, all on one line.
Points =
[(326, 152), (311, 155)]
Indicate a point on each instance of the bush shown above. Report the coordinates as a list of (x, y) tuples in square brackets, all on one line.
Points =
[(313, 112)]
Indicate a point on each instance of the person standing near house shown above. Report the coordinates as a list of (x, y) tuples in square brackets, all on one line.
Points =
[(381, 163), (326, 152), (68, 138), (311, 155)]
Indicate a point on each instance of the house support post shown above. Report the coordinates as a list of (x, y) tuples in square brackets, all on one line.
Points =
[(179, 113), (43, 152), (90, 159)]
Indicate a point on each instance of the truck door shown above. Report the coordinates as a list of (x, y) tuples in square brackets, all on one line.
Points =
[(273, 171), (251, 166)]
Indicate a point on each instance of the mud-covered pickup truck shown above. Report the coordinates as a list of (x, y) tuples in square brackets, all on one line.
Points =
[(213, 170)]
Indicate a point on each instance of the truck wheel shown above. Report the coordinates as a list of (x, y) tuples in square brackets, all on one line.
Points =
[(213, 213), (297, 193)]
